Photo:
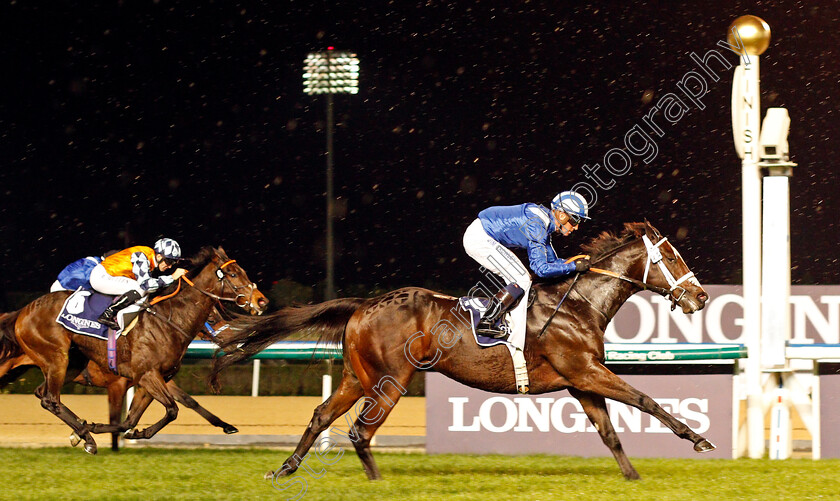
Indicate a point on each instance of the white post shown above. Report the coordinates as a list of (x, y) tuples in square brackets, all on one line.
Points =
[(775, 277), (746, 103), (326, 391), (255, 379)]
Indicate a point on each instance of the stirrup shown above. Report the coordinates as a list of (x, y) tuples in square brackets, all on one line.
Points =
[(500, 332)]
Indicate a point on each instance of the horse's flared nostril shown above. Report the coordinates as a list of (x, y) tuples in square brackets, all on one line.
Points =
[(702, 297)]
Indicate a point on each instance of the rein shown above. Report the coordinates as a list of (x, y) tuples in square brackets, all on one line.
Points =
[(654, 256), (222, 278)]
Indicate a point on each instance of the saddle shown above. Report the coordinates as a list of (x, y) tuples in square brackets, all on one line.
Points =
[(80, 312)]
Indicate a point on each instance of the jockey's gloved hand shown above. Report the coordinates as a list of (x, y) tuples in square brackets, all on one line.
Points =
[(582, 265)]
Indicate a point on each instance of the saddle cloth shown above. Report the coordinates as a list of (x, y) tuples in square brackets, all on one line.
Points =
[(476, 306), (82, 309)]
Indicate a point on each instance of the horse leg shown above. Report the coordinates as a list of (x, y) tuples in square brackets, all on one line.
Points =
[(116, 401), (348, 392), (51, 355), (154, 384), (185, 398), (595, 408), (139, 404), (596, 378), (378, 403)]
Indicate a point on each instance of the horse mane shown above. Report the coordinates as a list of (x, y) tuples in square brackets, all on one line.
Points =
[(200, 259), (601, 246), (608, 241), (193, 264)]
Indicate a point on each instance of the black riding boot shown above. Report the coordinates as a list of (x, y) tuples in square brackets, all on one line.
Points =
[(500, 304), (109, 316)]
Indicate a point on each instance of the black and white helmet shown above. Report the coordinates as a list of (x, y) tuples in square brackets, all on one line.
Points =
[(168, 248)]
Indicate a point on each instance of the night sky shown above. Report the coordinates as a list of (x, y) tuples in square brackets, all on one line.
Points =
[(121, 122)]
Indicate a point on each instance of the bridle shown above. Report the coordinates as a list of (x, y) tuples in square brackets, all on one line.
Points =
[(225, 280), (654, 256)]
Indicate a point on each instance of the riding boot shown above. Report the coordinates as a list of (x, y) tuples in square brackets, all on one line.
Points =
[(109, 316), (500, 304)]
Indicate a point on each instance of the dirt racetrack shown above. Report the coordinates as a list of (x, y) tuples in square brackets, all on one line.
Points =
[(23, 422)]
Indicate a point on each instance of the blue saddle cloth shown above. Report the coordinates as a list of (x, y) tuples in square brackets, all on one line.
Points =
[(81, 311), (476, 306)]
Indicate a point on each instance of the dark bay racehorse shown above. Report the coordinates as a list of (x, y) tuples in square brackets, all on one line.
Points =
[(149, 355), (386, 339), (116, 386)]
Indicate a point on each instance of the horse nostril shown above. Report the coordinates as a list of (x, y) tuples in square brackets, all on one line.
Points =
[(702, 297), (262, 302)]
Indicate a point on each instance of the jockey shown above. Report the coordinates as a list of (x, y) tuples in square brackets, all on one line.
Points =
[(76, 274), (128, 273), (529, 226)]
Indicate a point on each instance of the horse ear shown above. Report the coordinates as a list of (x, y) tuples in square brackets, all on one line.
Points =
[(651, 232)]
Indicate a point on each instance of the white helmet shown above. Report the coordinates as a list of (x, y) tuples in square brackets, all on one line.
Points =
[(573, 204), (168, 248)]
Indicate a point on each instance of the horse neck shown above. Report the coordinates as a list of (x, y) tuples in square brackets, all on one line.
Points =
[(607, 294), (191, 308)]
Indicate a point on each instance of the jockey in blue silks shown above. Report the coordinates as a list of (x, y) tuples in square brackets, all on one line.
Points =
[(527, 226), (76, 274)]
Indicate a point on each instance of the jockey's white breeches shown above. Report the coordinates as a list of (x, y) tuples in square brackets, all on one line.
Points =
[(499, 260), (102, 282)]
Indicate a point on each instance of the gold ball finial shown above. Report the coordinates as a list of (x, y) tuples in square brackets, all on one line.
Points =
[(754, 34)]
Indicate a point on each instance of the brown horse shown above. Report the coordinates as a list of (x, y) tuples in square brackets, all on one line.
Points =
[(149, 355), (386, 339), (117, 386)]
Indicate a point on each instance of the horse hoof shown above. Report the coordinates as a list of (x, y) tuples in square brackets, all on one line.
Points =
[(230, 429), (74, 439), (269, 475), (90, 448), (704, 446)]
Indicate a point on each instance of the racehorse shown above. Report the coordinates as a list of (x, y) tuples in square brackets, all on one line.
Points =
[(149, 355), (116, 386), (388, 338)]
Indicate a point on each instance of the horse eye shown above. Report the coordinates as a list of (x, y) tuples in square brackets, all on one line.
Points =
[(232, 274)]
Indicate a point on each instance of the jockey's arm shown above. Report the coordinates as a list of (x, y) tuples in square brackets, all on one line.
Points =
[(539, 258), (141, 267)]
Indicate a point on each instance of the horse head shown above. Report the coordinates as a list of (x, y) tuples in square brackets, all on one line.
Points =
[(222, 278), (666, 272)]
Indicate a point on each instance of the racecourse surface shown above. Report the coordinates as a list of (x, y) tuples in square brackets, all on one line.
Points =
[(23, 422), (234, 474)]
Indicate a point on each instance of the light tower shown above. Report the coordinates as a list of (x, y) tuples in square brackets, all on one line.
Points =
[(328, 73)]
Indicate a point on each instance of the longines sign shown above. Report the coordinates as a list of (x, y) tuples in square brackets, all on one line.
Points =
[(460, 419), (647, 318)]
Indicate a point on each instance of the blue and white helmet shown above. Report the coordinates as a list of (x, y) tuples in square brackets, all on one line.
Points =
[(573, 204), (168, 248)]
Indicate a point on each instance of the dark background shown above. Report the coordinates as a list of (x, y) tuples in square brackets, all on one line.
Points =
[(121, 122)]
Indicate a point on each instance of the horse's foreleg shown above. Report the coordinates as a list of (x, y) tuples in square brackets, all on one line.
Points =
[(188, 401), (154, 384), (599, 380), (348, 392), (595, 408)]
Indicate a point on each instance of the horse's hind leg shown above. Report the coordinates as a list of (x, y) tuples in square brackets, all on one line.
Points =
[(595, 408), (599, 380), (348, 392), (378, 403), (189, 402)]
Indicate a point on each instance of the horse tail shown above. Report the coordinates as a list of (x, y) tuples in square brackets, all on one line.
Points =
[(9, 347), (248, 335)]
